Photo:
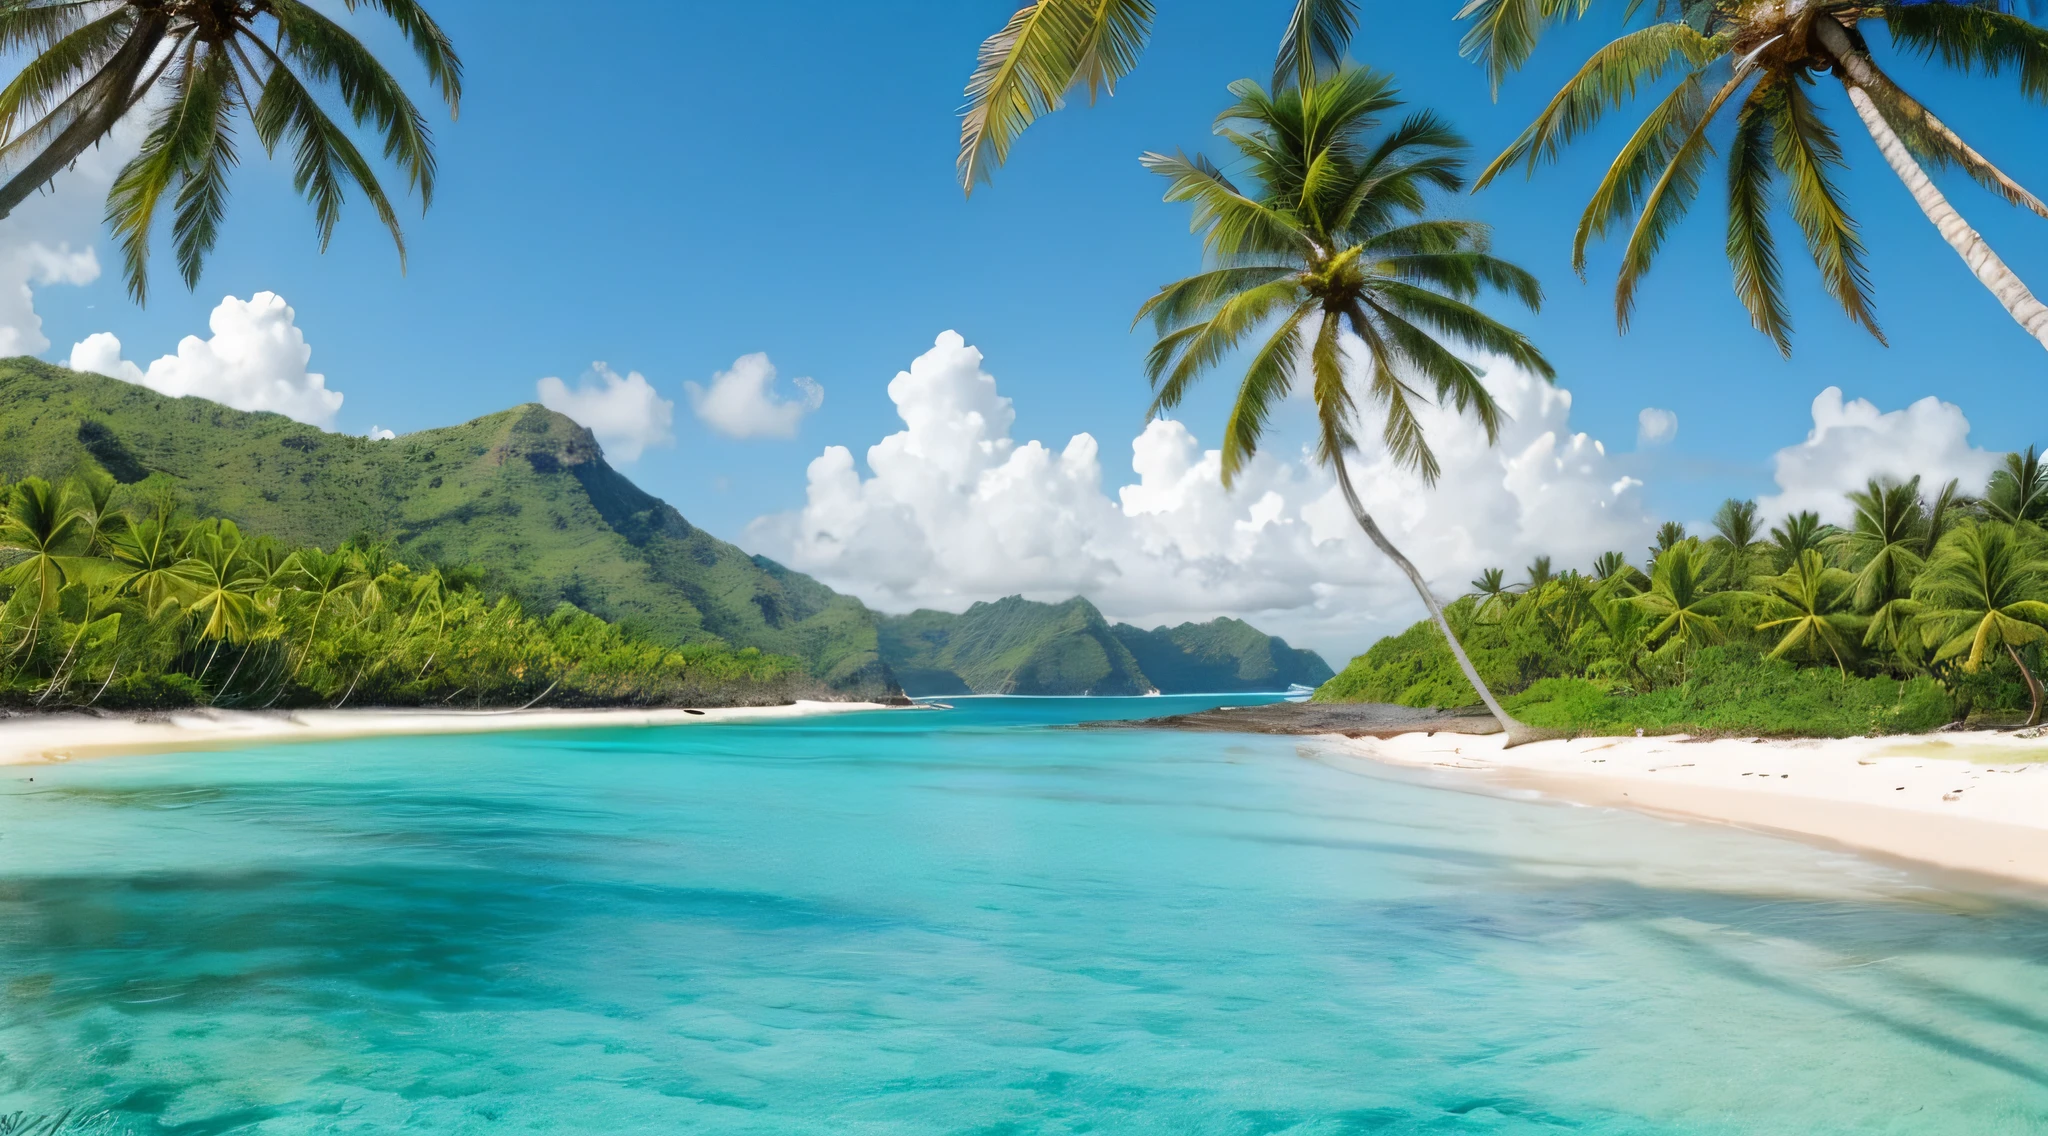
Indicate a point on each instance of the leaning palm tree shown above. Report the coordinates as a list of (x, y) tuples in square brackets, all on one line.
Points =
[(202, 64), (1050, 49), (1328, 268), (1985, 591), (1757, 60)]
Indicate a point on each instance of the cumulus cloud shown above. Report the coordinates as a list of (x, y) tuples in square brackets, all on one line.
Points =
[(1655, 427), (380, 434), (1852, 442), (624, 411), (49, 238), (743, 402), (256, 360), (954, 509)]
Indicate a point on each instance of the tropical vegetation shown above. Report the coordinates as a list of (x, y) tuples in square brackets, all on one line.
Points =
[(1924, 607), (119, 597), (1329, 264), (200, 65), (1756, 62)]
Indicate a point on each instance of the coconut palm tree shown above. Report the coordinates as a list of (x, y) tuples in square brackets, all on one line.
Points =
[(1882, 545), (1756, 61), (1687, 611), (1670, 535), (1984, 590), (43, 549), (2018, 492), (202, 64), (1739, 538), (1794, 535), (146, 555), (1049, 49), (1810, 606), (1326, 265), (1494, 595)]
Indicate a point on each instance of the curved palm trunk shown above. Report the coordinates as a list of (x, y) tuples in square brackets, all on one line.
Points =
[(1856, 74), (2033, 686), (1516, 732)]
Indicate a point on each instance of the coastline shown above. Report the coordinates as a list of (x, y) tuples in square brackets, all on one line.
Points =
[(1968, 801), (43, 739)]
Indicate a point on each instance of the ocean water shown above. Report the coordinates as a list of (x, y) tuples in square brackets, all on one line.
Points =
[(966, 922)]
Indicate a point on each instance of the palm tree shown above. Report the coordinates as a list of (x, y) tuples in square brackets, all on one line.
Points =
[(1883, 544), (1331, 239), (1687, 611), (1757, 60), (1794, 535), (1540, 576), (222, 583), (1739, 537), (1983, 591), (1051, 48), (1494, 594), (2018, 493), (323, 577), (1942, 513), (1810, 604), (42, 545), (146, 554), (201, 64), (1670, 535)]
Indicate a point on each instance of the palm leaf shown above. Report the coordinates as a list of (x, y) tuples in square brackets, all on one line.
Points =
[(1646, 154), (1232, 225), (324, 156), (1315, 41), (1667, 202), (1266, 382), (329, 54), (1805, 149), (1752, 251), (1026, 69), (1612, 76), (1504, 32), (178, 142), (202, 201), (435, 50), (1973, 37)]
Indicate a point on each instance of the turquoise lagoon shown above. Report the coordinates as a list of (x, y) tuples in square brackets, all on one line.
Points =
[(967, 922)]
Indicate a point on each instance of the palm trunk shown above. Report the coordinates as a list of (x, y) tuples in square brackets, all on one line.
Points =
[(2033, 686), (1516, 732), (1857, 75)]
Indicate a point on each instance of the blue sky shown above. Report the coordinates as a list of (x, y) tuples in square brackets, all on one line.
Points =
[(670, 186)]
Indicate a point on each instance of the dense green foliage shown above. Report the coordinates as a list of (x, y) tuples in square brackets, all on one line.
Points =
[(1018, 646), (1923, 609), (119, 598), (524, 495)]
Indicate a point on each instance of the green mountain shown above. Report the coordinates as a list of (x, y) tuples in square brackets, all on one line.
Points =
[(1012, 646), (1220, 656), (524, 495), (1016, 646)]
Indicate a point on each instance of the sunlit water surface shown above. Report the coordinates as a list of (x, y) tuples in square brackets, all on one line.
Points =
[(966, 922)]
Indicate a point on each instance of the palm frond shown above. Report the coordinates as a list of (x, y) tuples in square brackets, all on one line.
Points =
[(1026, 69), (1646, 155), (178, 142), (1752, 250), (1667, 202), (1504, 32), (1315, 41), (327, 53), (1457, 383), (1266, 382), (1232, 224), (324, 158), (1463, 323), (1973, 38), (202, 200), (1613, 75), (1335, 407), (1197, 296), (1214, 338), (57, 69), (1806, 150), (435, 50)]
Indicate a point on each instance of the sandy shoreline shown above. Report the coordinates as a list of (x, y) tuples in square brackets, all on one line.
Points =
[(1974, 802), (72, 737)]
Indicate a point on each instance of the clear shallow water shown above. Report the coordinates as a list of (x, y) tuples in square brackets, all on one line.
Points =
[(965, 922)]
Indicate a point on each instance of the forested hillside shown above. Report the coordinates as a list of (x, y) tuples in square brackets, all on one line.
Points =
[(523, 495), (1018, 646)]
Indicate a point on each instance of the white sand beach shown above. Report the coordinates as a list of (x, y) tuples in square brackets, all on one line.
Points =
[(71, 737), (1975, 801)]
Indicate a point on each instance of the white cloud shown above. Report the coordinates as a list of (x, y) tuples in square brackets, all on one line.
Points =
[(743, 402), (48, 239), (380, 434), (1853, 442), (1655, 427), (954, 510), (623, 411), (256, 360)]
